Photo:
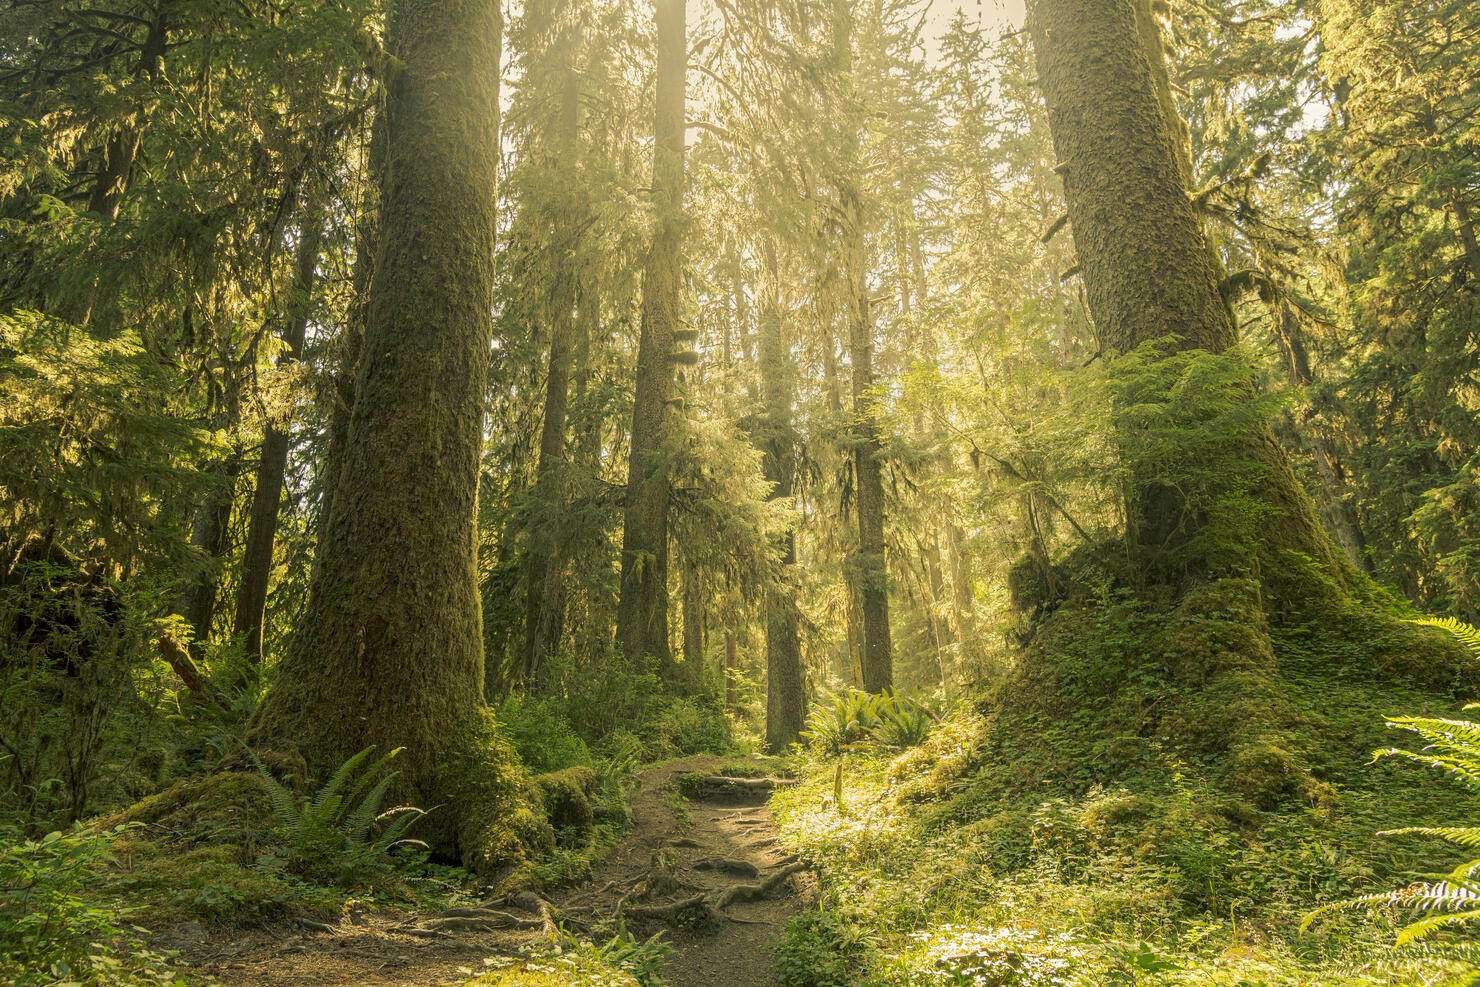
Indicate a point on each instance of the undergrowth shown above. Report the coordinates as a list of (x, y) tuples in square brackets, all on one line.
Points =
[(1103, 838)]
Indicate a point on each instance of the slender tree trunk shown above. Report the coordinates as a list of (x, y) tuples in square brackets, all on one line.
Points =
[(390, 650), (1148, 268), (543, 598), (122, 148), (196, 598), (1467, 236), (1340, 511), (642, 609), (692, 675), (732, 671), (868, 448), (251, 598), (786, 699)]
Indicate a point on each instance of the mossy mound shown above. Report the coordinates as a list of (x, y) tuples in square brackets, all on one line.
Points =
[(1215, 681), (567, 796), (206, 809)]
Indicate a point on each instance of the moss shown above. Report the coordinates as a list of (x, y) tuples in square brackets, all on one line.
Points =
[(498, 824), (567, 796), (205, 807)]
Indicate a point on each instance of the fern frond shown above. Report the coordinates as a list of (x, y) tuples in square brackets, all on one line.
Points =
[(1469, 636), (357, 826), (1421, 929), (330, 792), (284, 803), (1466, 836)]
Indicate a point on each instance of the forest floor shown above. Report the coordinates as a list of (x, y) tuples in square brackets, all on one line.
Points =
[(707, 869)]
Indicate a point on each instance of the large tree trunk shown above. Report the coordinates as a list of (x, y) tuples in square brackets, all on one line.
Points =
[(251, 598), (642, 610), (352, 336), (390, 650), (543, 599), (1148, 268), (786, 700)]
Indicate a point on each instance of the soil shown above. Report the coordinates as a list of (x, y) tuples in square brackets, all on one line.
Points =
[(708, 871)]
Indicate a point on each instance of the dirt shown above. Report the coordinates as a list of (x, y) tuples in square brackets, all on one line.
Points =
[(708, 871)]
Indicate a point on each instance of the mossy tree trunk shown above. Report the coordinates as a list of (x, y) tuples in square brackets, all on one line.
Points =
[(390, 650), (1148, 268), (642, 609), (786, 700)]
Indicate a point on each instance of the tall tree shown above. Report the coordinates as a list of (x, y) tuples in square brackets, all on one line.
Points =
[(786, 699), (392, 635), (642, 610), (1148, 268)]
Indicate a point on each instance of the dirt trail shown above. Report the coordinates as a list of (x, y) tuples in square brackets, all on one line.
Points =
[(708, 870)]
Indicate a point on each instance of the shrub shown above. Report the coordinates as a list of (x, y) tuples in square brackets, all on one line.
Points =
[(54, 927)]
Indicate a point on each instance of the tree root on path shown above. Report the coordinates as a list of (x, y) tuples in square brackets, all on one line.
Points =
[(484, 918), (711, 908)]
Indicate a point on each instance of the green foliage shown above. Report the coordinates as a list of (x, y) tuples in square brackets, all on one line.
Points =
[(540, 732), (339, 833), (813, 953), (854, 718), (643, 958), (57, 925)]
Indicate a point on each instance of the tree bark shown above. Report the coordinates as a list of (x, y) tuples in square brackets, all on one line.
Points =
[(390, 650), (870, 564), (251, 598), (351, 338), (786, 699), (642, 609)]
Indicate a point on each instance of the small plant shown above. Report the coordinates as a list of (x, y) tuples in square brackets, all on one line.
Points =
[(640, 957), (54, 927), (340, 833), (856, 718)]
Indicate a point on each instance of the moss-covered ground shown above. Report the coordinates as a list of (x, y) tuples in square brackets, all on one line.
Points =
[(1123, 827)]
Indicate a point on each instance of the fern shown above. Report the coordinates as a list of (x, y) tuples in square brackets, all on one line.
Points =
[(858, 718), (1468, 636), (339, 832)]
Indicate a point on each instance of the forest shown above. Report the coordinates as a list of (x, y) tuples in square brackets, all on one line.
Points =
[(812, 493)]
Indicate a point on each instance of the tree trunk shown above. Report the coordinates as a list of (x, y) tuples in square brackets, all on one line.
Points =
[(543, 598), (251, 598), (691, 676), (351, 338), (196, 598), (732, 671), (1147, 266), (642, 609), (869, 563), (390, 650), (1340, 511), (786, 699)]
